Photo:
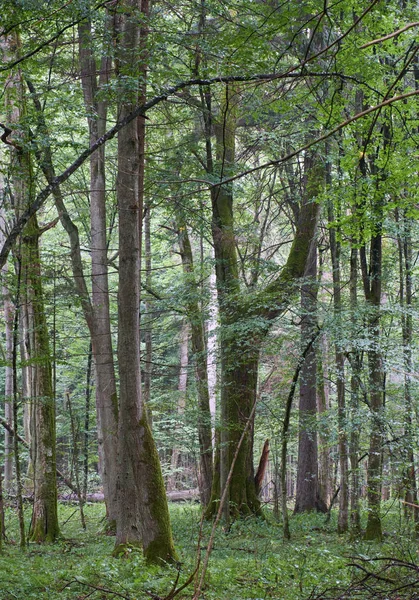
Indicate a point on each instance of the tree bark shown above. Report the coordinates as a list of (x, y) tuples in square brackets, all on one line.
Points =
[(308, 490), (201, 374), (8, 309), (343, 518), (355, 422), (44, 523), (100, 329), (143, 517), (181, 404)]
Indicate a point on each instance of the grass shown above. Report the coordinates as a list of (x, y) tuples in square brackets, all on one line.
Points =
[(250, 562)]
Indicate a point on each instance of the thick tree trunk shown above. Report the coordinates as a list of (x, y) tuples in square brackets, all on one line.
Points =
[(143, 516)]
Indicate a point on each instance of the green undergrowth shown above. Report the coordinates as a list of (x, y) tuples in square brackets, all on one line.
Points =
[(250, 561)]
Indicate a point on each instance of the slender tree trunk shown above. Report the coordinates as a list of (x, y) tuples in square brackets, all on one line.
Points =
[(325, 482), (44, 523), (201, 374), (372, 286), (8, 309), (355, 422), (406, 296), (100, 329), (147, 323), (16, 453), (181, 404), (86, 436), (343, 518)]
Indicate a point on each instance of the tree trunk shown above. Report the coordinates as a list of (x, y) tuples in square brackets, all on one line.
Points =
[(183, 381), (406, 296), (8, 309), (44, 523), (201, 373), (355, 422), (100, 329), (343, 518), (372, 287), (308, 491), (143, 516)]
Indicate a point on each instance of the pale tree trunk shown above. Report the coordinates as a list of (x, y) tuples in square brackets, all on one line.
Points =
[(325, 483), (212, 346), (100, 329), (406, 297), (96, 310), (355, 421), (8, 309), (343, 518), (181, 403), (143, 517), (147, 322), (201, 374)]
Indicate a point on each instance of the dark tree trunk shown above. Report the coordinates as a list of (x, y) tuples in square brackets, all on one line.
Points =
[(308, 492)]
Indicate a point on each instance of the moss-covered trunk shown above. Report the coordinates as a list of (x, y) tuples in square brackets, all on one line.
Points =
[(44, 523), (372, 288)]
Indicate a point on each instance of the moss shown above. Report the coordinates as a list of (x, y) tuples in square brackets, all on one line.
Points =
[(373, 530), (161, 547), (125, 550)]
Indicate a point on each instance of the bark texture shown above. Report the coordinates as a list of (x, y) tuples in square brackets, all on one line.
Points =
[(142, 517)]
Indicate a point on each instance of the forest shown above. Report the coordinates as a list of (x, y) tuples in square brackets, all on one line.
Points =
[(209, 257)]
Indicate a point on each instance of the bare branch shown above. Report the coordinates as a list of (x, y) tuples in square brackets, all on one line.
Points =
[(390, 35)]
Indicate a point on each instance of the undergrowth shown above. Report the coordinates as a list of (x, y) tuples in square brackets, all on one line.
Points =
[(249, 562)]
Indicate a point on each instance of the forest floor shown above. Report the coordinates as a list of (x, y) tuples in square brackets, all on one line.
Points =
[(250, 562)]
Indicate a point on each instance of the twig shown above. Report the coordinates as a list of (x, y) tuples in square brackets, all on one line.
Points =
[(390, 35), (96, 588)]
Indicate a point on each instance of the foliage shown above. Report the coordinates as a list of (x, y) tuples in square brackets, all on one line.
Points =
[(250, 561)]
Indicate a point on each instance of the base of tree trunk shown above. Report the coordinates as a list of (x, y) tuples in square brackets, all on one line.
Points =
[(317, 506), (373, 531)]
